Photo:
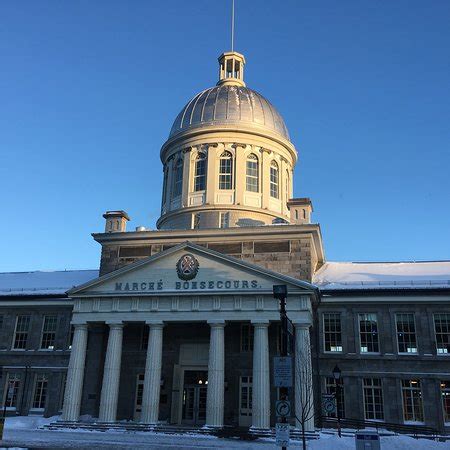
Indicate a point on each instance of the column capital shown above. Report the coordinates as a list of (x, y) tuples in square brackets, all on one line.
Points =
[(302, 325), (114, 325), (80, 326), (216, 323), (154, 324), (260, 323)]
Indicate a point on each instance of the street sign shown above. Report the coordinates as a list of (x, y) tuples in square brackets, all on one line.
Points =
[(328, 404), (283, 408), (282, 434), (282, 371)]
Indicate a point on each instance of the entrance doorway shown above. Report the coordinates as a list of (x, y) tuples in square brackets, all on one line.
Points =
[(138, 397), (194, 396)]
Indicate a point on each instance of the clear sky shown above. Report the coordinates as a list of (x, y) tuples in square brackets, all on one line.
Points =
[(89, 91)]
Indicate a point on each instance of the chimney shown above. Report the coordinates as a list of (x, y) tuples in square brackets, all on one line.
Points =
[(116, 221), (301, 209)]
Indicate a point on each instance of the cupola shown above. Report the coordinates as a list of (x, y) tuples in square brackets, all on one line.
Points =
[(231, 69)]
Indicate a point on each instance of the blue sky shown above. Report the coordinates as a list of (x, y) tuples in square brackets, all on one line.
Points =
[(89, 90)]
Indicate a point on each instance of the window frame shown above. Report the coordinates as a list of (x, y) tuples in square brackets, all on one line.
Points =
[(247, 410), (447, 352), (254, 179), (199, 181), (55, 316), (407, 332), (445, 405), (17, 378), (224, 219), (324, 342), (177, 182), (274, 180), (329, 384), (225, 177), (43, 392), (368, 333), (13, 346), (372, 388), (410, 389), (249, 337)]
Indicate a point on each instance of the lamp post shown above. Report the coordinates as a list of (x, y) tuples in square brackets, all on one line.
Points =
[(337, 377), (280, 293)]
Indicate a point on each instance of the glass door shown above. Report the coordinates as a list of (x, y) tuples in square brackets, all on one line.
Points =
[(194, 397)]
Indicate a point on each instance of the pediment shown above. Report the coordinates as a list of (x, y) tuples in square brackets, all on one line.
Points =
[(217, 273)]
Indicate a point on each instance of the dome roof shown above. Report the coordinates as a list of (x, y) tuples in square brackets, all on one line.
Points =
[(227, 105)]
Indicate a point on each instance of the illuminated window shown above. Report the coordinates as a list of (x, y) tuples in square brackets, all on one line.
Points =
[(177, 178), (368, 333), (332, 332), (406, 333), (200, 173), (252, 174), (445, 393), (274, 180), (11, 391), (49, 332), (226, 171), (442, 331), (21, 333), (246, 384), (412, 401), (373, 399)]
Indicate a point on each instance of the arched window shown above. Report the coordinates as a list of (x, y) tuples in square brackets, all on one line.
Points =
[(177, 178), (274, 180), (226, 171), (252, 174), (200, 173)]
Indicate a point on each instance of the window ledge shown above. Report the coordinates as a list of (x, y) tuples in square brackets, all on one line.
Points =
[(408, 354), (413, 422)]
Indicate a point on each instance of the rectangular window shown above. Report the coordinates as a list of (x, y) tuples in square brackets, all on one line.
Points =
[(225, 179), (445, 393), (368, 333), (246, 337), (330, 388), (406, 333), (40, 392), (224, 220), (245, 403), (412, 401), (49, 332), (274, 182), (21, 332), (252, 176), (373, 399), (332, 332), (442, 332), (11, 393)]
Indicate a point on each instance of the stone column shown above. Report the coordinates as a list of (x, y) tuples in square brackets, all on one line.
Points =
[(111, 374), (261, 376), (75, 374), (216, 375), (152, 378), (304, 393)]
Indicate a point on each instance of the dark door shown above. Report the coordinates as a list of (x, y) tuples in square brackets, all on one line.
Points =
[(194, 397)]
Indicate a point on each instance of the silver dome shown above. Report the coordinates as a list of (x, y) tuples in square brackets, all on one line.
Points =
[(229, 104)]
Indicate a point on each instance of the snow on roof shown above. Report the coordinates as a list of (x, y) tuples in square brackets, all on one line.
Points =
[(43, 283), (383, 275)]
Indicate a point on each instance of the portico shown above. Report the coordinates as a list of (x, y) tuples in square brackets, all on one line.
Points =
[(211, 317)]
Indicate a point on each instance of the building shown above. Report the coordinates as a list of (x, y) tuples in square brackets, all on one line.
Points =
[(180, 325)]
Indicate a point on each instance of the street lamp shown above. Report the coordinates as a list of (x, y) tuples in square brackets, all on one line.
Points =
[(337, 377)]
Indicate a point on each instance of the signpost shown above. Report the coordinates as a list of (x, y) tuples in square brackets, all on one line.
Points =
[(283, 408), (283, 370), (328, 404), (282, 434)]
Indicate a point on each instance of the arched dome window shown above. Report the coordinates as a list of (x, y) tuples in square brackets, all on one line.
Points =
[(252, 173), (200, 173), (177, 178), (274, 180), (226, 171)]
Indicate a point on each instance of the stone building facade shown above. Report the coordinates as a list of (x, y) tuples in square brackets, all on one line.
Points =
[(179, 325)]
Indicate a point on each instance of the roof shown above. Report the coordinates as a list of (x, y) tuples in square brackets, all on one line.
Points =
[(335, 276), (229, 105), (43, 283)]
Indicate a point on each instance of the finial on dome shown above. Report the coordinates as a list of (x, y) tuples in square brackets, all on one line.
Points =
[(231, 69)]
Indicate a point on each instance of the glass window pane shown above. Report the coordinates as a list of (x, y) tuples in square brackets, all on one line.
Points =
[(332, 332)]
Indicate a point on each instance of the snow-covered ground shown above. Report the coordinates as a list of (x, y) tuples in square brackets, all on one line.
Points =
[(23, 432)]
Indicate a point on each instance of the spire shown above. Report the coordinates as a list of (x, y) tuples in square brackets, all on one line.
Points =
[(231, 69), (231, 64)]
